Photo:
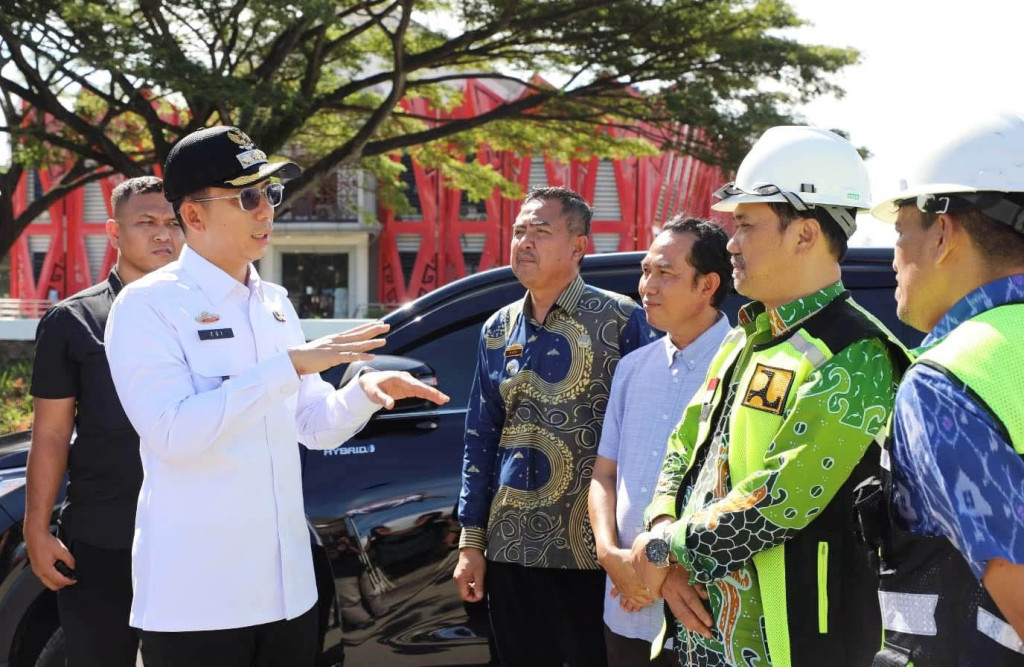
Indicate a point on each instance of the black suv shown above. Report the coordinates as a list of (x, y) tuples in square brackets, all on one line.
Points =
[(381, 508)]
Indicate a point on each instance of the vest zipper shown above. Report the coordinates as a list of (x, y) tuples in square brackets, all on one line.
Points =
[(823, 588)]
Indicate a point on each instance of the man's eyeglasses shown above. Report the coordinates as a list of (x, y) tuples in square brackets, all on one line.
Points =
[(249, 198)]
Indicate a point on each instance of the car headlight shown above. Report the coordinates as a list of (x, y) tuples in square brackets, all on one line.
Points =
[(11, 480)]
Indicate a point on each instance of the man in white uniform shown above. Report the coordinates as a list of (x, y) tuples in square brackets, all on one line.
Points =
[(213, 372)]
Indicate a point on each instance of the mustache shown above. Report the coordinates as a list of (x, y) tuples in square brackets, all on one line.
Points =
[(523, 254), (739, 262)]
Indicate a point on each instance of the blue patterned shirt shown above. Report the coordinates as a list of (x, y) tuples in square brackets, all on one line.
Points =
[(534, 421), (955, 475), (650, 389)]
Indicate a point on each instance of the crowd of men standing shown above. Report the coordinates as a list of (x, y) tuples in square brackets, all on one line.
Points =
[(783, 492)]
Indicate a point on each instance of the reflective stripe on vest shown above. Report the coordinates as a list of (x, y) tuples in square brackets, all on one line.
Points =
[(983, 358)]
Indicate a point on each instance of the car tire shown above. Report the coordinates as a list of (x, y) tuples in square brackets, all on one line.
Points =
[(54, 653)]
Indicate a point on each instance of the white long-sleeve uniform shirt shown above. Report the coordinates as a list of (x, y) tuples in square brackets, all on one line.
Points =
[(200, 364)]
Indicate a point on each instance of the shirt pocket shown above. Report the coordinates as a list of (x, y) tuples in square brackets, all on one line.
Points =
[(211, 363)]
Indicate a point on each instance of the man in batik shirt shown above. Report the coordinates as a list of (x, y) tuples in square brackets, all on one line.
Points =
[(544, 371)]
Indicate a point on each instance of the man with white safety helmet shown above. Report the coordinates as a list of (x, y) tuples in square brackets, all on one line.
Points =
[(951, 527), (752, 538)]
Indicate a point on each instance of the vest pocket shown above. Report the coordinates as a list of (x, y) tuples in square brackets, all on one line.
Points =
[(823, 588)]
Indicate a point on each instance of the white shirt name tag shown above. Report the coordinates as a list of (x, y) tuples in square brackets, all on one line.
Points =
[(215, 334)]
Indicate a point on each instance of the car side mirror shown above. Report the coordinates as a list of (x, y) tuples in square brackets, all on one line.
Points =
[(387, 362)]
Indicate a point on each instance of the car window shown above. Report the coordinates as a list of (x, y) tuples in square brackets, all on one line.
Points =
[(452, 355)]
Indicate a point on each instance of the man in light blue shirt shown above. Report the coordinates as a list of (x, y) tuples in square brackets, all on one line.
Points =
[(686, 277)]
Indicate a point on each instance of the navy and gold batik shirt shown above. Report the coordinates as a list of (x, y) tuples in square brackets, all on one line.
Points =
[(534, 422)]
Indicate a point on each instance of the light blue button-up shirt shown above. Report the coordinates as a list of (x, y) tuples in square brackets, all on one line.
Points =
[(650, 389)]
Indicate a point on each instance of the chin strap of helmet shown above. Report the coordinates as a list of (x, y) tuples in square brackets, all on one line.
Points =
[(998, 207), (840, 214), (995, 205), (846, 222)]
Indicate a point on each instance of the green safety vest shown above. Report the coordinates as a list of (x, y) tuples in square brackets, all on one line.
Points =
[(828, 553), (986, 354), (940, 607)]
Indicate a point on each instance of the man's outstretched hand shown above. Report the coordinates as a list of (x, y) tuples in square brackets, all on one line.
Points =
[(344, 348), (386, 387)]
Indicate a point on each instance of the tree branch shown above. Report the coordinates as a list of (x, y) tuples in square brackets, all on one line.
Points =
[(45, 102)]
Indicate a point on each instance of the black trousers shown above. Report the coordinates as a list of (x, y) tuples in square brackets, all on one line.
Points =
[(94, 612), (279, 644), (544, 617), (630, 652)]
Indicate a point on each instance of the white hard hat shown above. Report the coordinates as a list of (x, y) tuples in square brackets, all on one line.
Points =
[(986, 158), (805, 166)]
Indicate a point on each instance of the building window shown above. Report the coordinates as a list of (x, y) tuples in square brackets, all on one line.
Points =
[(38, 247), (408, 181), (317, 283)]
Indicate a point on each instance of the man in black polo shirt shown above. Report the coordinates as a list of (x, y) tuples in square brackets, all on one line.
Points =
[(73, 392)]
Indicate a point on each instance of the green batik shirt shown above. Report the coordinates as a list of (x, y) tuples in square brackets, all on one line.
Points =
[(725, 521)]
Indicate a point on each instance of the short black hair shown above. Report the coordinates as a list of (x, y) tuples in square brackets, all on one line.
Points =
[(575, 208), (708, 253), (830, 229), (997, 242), (140, 185)]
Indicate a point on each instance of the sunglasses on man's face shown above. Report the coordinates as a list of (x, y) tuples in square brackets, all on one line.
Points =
[(249, 198)]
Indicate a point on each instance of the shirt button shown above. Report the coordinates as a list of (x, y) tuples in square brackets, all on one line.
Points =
[(643, 489), (654, 453), (675, 380), (664, 416)]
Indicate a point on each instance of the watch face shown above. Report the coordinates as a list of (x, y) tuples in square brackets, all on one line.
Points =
[(657, 551)]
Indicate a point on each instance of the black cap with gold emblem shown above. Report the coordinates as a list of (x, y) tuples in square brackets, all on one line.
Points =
[(221, 156)]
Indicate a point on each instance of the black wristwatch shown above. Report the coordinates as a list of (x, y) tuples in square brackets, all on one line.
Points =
[(657, 549)]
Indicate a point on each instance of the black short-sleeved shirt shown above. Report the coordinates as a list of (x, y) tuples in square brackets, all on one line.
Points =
[(104, 467)]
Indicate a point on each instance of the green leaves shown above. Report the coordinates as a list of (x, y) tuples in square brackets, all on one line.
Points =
[(321, 79)]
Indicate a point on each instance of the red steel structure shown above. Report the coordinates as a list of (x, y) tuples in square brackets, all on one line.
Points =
[(66, 268), (649, 189), (71, 226)]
